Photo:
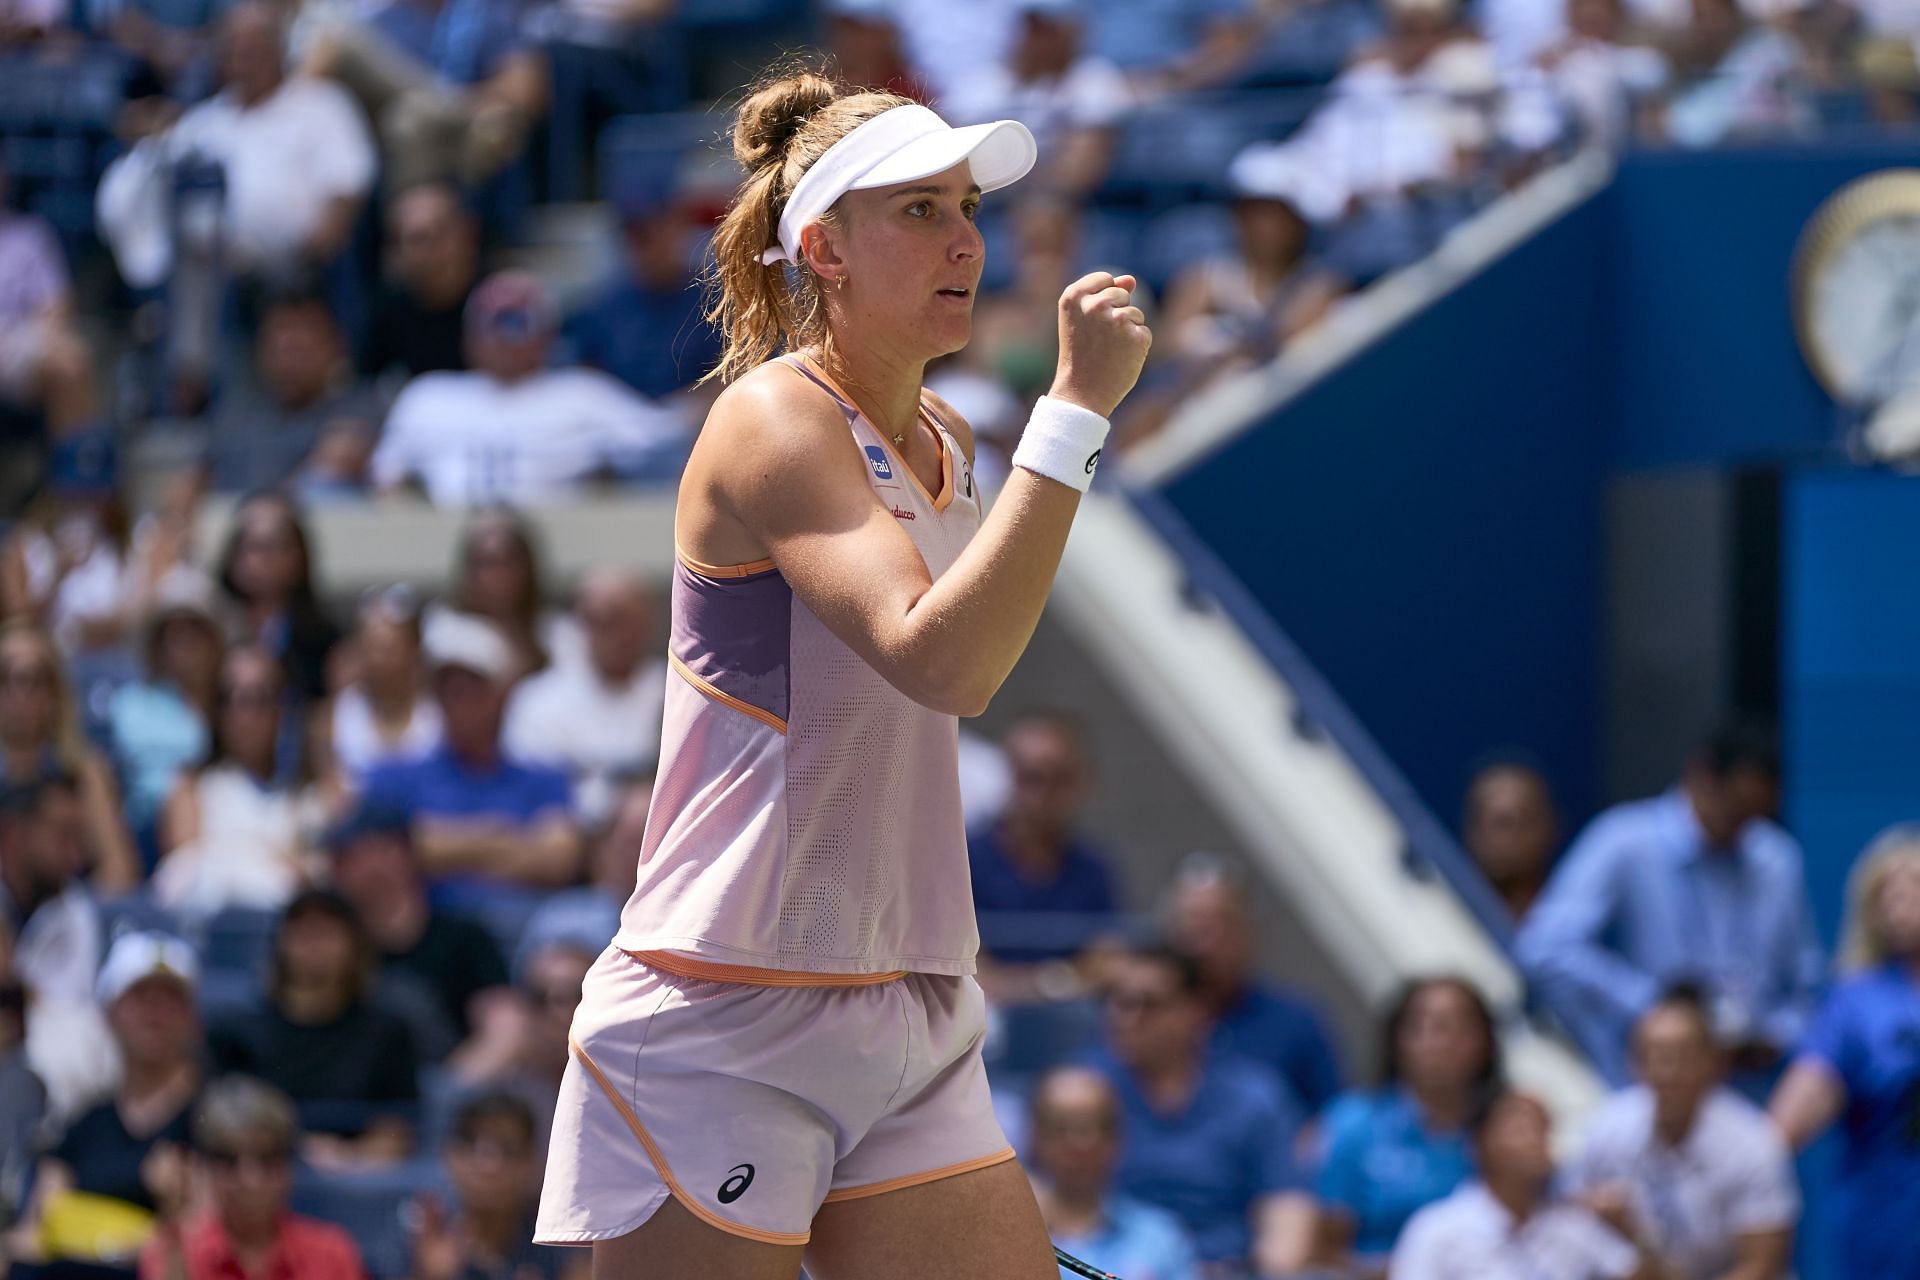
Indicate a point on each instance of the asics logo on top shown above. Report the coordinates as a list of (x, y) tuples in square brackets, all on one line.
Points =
[(736, 1186), (877, 459)]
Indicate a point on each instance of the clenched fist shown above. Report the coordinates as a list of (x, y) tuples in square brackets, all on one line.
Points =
[(1103, 342)]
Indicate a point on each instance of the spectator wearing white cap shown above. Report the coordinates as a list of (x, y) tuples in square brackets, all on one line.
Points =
[(1070, 100), (489, 829), (512, 430), (97, 1188), (599, 719)]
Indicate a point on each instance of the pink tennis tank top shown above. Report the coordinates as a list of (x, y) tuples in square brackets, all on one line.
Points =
[(806, 814)]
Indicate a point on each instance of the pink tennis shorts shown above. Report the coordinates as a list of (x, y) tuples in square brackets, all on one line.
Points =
[(755, 1099)]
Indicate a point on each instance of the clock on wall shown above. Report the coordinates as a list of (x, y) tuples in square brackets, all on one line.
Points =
[(1856, 304)]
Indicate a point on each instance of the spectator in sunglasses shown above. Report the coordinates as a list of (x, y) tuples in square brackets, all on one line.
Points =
[(235, 1221), (514, 430)]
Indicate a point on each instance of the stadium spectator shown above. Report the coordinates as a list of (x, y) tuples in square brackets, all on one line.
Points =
[(452, 85), (1388, 1152), (1511, 828), (1736, 79), (1075, 1143), (864, 41), (240, 829), (98, 1186), (297, 159), (244, 1137), (499, 578), (1172, 46), (40, 738), (513, 430), (1032, 862), (1070, 99), (489, 830), (1016, 327), (532, 1059), (1888, 57), (1857, 1066), (643, 324), (348, 1064), (1698, 885), (23, 1099), (1507, 1225), (1209, 1136), (264, 432), (383, 712), (45, 365), (433, 263), (1684, 1163), (52, 921), (162, 724), (1605, 83), (493, 1167), (266, 573), (599, 720), (590, 913), (1207, 917), (453, 961)]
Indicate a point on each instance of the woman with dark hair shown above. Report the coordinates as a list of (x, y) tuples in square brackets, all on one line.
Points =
[(1388, 1152), (383, 712), (348, 1064), (267, 572), (238, 829), (499, 578), (40, 737)]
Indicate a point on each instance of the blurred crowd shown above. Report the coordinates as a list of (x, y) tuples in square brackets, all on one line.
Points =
[(295, 915), (297, 892)]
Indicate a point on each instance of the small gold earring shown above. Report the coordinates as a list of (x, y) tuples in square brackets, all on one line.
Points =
[(840, 282)]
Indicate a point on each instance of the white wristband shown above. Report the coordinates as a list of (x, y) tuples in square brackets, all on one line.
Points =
[(1062, 442)]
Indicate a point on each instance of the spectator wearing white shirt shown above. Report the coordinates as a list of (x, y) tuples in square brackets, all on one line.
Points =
[(1687, 1164), (297, 155), (1070, 99), (1602, 81), (1507, 1225), (384, 713), (512, 430), (598, 719)]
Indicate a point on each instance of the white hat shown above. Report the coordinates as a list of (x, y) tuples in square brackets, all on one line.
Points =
[(135, 957), (463, 640), (1277, 171), (899, 145)]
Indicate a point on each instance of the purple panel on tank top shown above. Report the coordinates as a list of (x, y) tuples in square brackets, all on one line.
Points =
[(735, 633)]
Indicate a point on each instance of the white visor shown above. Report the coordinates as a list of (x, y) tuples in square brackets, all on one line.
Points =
[(897, 146)]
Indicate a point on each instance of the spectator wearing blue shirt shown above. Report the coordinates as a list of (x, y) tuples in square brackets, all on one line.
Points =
[(1860, 1067), (1696, 885), (1042, 892), (1209, 1137), (490, 832), (1389, 1152), (644, 324), (1207, 918), (1075, 1144), (453, 86)]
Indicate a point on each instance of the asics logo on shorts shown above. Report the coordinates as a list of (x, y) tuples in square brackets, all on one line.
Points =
[(877, 459), (736, 1186)]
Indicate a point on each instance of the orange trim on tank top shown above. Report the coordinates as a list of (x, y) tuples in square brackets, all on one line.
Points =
[(679, 1193), (942, 500), (748, 976), (706, 570), (725, 699), (919, 1179)]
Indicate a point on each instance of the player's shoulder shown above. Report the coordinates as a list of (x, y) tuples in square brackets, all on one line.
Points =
[(773, 410), (953, 420)]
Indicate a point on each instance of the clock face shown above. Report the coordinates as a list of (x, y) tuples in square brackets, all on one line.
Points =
[(1863, 310), (1856, 287)]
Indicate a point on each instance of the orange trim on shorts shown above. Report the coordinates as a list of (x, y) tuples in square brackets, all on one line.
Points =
[(919, 1179), (706, 570), (748, 976), (724, 698), (691, 1205)]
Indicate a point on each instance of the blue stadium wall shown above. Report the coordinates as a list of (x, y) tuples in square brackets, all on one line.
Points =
[(1427, 523)]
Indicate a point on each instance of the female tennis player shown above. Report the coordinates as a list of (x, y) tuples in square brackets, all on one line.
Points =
[(779, 1055)]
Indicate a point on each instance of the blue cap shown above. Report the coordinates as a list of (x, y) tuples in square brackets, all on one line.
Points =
[(83, 465), (370, 819)]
